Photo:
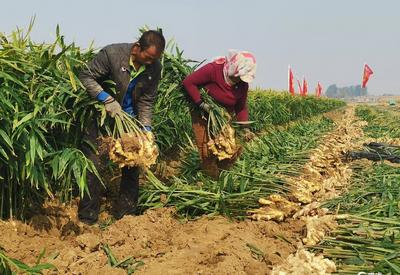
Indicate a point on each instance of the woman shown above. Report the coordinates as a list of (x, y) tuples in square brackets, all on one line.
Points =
[(226, 79)]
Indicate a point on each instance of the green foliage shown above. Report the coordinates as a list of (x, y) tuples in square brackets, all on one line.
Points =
[(256, 174), (43, 112), (9, 266), (368, 238), (172, 108), (381, 121), (274, 108)]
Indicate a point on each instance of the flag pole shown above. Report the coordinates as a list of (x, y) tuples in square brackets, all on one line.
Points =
[(363, 70), (288, 82)]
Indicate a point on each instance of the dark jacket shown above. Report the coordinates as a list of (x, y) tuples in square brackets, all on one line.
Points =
[(112, 63)]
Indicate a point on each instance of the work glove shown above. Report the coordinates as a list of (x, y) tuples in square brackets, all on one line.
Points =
[(112, 106), (205, 107)]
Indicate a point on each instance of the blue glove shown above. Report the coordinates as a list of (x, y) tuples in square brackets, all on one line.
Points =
[(102, 96)]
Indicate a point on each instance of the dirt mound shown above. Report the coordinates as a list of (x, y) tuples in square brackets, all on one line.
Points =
[(165, 244)]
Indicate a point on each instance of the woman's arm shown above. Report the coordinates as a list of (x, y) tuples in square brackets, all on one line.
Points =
[(198, 78)]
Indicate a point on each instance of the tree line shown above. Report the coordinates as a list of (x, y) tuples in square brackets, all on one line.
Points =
[(342, 92)]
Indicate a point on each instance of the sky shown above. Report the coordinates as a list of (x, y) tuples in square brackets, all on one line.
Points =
[(326, 41)]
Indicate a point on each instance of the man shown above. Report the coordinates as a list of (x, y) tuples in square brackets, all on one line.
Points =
[(136, 70)]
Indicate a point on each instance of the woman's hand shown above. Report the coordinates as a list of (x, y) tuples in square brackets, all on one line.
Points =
[(205, 107)]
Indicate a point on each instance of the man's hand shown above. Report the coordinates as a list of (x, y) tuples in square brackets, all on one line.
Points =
[(113, 108), (205, 107)]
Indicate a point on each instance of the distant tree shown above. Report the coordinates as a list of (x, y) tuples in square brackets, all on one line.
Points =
[(363, 91), (343, 92), (357, 90), (332, 91)]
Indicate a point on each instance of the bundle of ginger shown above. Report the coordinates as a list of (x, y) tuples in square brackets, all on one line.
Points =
[(224, 145), (129, 146)]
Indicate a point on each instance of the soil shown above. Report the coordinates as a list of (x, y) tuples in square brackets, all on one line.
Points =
[(165, 244)]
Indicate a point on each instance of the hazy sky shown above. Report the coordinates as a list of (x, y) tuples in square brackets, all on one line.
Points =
[(326, 41)]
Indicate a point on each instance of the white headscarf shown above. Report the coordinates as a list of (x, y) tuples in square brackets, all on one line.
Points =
[(238, 64)]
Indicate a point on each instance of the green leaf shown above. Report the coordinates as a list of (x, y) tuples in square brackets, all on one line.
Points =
[(4, 153), (32, 149), (71, 75), (393, 266), (6, 76), (40, 267), (41, 255), (112, 260), (23, 120)]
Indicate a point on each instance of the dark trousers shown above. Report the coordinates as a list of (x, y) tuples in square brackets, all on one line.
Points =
[(89, 206), (209, 163)]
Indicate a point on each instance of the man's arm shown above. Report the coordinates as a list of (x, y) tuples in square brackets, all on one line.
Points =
[(98, 68)]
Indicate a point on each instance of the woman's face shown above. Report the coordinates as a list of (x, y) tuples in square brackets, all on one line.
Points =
[(234, 79)]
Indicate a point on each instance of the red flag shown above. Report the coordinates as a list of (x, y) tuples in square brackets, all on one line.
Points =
[(290, 82), (318, 90), (300, 88), (305, 87), (367, 73)]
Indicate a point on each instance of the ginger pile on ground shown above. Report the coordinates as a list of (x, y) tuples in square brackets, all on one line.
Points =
[(305, 262), (325, 175), (275, 207), (318, 227)]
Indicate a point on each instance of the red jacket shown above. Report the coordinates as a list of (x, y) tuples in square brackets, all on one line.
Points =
[(211, 77)]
